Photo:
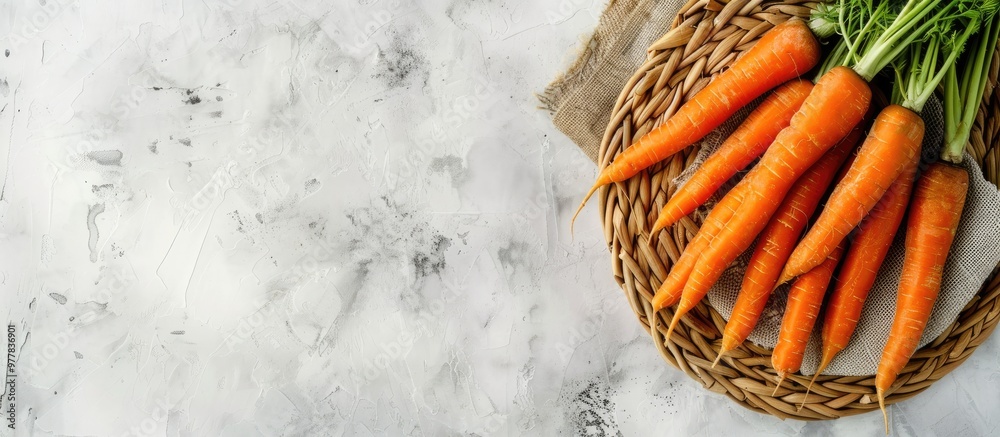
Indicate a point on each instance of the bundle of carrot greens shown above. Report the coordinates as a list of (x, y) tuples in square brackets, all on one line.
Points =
[(806, 136)]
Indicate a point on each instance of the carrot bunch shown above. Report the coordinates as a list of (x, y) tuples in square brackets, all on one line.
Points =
[(785, 52), (937, 204), (813, 174)]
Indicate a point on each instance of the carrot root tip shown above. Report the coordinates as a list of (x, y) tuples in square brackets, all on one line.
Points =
[(809, 387), (718, 357), (583, 203), (823, 362), (881, 405), (781, 378), (783, 279), (673, 324)]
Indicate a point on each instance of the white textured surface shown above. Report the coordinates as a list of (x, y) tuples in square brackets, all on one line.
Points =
[(248, 218)]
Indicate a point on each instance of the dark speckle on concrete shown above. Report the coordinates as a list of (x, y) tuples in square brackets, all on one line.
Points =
[(106, 157), (401, 62), (58, 298)]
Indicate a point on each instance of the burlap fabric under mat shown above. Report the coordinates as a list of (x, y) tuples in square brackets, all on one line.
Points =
[(581, 99)]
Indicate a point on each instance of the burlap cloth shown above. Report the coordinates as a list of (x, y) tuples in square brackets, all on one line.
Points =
[(580, 102)]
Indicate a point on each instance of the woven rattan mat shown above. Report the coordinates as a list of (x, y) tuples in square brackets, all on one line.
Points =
[(616, 91)]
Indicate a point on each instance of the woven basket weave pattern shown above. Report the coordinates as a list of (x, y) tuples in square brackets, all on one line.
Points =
[(706, 37)]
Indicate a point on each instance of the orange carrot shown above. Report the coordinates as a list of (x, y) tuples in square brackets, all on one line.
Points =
[(670, 291), (935, 211), (834, 107), (783, 231), (893, 141), (940, 192), (801, 312), (861, 264), (778, 239), (783, 53), (745, 144)]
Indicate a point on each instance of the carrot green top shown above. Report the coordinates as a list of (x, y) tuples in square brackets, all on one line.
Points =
[(919, 74), (912, 35), (964, 85)]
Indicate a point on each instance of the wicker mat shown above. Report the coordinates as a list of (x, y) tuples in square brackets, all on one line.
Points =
[(581, 101)]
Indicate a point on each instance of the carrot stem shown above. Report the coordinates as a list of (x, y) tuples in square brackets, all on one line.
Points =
[(961, 101)]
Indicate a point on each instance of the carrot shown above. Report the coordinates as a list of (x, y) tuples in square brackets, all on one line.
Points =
[(744, 145), (893, 141), (935, 211), (777, 240), (670, 291), (898, 130), (870, 48), (834, 107), (801, 312), (861, 264), (938, 201), (783, 53)]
